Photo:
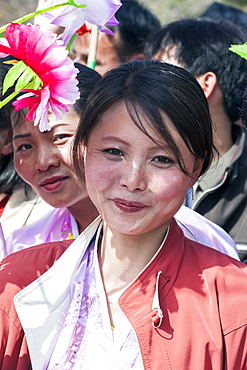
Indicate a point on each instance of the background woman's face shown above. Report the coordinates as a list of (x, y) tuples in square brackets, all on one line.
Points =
[(43, 159)]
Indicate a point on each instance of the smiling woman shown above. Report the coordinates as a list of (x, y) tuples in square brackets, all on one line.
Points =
[(43, 160), (132, 288), (148, 136)]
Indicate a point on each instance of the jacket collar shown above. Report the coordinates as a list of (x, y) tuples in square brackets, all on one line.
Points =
[(219, 172), (51, 294), (165, 266), (151, 323), (158, 278)]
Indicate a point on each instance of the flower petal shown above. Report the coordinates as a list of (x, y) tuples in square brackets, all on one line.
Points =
[(97, 12), (46, 59)]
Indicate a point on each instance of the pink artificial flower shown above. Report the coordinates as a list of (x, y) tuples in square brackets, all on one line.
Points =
[(48, 59), (96, 12)]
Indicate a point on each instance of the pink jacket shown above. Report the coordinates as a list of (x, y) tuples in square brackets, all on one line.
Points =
[(187, 307), (17, 271), (202, 296)]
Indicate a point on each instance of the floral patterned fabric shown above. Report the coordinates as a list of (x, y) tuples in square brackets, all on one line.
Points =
[(86, 340)]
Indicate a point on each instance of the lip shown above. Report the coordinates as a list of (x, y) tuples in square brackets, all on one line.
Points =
[(128, 206), (53, 183)]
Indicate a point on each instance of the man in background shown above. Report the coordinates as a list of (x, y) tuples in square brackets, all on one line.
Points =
[(202, 47)]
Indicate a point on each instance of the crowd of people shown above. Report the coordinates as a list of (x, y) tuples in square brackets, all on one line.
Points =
[(123, 221)]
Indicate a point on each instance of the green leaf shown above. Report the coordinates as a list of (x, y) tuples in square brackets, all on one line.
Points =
[(71, 41), (33, 14), (28, 78), (12, 75), (240, 50), (24, 77), (36, 82), (6, 100), (71, 2)]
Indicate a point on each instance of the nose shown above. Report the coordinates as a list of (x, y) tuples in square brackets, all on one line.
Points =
[(134, 178), (46, 159)]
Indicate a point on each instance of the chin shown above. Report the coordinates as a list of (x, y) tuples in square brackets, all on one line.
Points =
[(56, 204)]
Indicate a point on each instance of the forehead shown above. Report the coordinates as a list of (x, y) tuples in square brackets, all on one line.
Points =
[(70, 120), (117, 119)]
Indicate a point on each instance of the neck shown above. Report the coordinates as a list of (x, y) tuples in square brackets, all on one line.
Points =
[(222, 128), (122, 257), (84, 213)]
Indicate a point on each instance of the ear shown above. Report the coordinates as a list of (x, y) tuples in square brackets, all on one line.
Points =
[(6, 147), (138, 56), (208, 82), (196, 170)]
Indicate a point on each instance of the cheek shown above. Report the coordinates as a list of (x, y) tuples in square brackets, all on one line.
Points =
[(170, 188), (22, 167), (97, 178), (99, 175), (65, 156)]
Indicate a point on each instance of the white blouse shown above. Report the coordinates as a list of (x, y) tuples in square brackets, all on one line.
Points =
[(86, 340)]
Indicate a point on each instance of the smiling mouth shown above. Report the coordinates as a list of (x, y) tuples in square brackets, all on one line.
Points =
[(129, 207), (52, 183)]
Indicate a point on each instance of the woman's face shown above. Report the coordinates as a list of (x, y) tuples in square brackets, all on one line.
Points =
[(136, 185), (43, 160)]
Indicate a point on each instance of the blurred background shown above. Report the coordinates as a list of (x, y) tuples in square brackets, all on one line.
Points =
[(166, 10)]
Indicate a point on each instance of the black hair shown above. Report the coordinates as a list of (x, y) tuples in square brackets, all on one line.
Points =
[(220, 10), (202, 45), (149, 89), (136, 23), (244, 108), (87, 80), (5, 65), (9, 178)]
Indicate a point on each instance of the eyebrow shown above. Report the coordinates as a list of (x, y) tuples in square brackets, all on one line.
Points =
[(114, 138), (21, 136), (164, 146)]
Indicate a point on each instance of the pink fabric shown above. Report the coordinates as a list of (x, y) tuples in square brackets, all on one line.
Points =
[(200, 229), (87, 330), (57, 225), (2, 242)]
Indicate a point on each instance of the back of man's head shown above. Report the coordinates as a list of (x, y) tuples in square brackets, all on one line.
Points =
[(219, 10), (136, 23), (202, 45), (244, 108)]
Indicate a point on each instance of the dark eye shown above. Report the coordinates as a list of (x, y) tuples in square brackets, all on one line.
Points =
[(61, 137), (24, 147), (114, 151), (162, 159)]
